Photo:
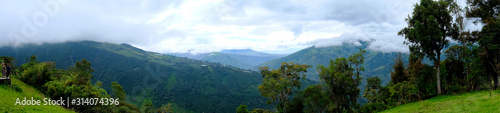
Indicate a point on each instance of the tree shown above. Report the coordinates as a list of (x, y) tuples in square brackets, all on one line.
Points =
[(488, 11), (83, 72), (427, 31), (398, 73), (315, 99), (279, 84), (372, 88), (454, 69), (148, 106), (118, 92), (242, 109), (490, 42), (342, 79)]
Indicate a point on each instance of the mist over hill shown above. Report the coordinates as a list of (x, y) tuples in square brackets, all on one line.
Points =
[(241, 58)]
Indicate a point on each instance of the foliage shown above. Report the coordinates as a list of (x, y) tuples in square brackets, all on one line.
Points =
[(35, 73), (372, 89), (72, 83), (487, 10), (315, 99), (398, 72), (242, 109), (260, 110), (166, 108), (183, 82), (342, 79), (148, 106), (427, 31), (372, 107), (296, 105), (425, 81), (279, 84), (118, 92), (490, 42)]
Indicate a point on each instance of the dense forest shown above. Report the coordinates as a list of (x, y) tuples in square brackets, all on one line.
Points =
[(471, 65)]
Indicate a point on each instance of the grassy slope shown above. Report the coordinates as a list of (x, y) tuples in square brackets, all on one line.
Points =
[(462, 103), (8, 99)]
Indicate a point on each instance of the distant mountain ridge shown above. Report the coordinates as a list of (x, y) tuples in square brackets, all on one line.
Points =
[(241, 58), (249, 52)]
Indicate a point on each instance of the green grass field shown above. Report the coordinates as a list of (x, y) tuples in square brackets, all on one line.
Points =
[(473, 102), (8, 99)]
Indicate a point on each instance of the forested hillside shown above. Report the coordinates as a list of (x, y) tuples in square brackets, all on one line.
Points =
[(188, 84), (377, 64)]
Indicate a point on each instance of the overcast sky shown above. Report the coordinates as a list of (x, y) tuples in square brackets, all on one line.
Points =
[(200, 26)]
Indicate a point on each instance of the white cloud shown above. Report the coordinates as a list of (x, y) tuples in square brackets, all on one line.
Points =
[(208, 25)]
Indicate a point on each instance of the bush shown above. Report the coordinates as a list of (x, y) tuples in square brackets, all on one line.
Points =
[(242, 109), (37, 74), (372, 107), (123, 109)]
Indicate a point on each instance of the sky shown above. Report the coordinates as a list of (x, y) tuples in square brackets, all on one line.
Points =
[(202, 26)]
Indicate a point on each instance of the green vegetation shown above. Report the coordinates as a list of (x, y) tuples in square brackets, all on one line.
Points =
[(470, 66), (279, 84), (471, 102), (9, 97), (163, 78), (377, 64), (72, 83), (338, 91)]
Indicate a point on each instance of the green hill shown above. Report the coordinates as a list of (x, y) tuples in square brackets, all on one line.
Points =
[(8, 99), (190, 85), (473, 102)]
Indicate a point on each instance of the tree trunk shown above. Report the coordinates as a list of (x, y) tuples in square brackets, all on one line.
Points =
[(438, 78), (495, 81)]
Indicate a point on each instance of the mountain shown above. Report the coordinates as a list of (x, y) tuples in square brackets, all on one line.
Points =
[(241, 58), (376, 63), (190, 85)]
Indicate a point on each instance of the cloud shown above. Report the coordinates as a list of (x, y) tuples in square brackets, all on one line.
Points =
[(203, 26)]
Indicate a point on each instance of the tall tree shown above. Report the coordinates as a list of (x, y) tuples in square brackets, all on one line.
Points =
[(372, 88), (490, 41), (315, 99), (488, 12), (398, 73), (279, 84), (428, 28), (342, 79)]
